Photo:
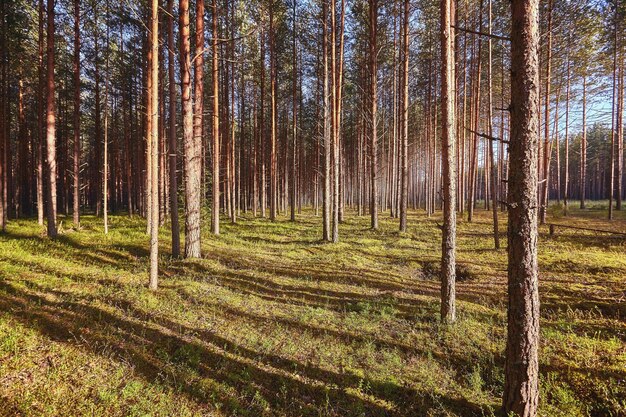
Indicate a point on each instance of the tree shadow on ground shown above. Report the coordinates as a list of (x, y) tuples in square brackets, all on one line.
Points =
[(185, 358)]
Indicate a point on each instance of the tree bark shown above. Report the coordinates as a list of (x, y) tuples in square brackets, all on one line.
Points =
[(76, 162), (404, 175), (40, 124), (51, 190), (493, 171), (173, 145), (215, 198), (154, 156), (521, 391), (448, 147), (373, 57)]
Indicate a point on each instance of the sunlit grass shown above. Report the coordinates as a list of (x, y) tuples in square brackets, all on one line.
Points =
[(272, 321)]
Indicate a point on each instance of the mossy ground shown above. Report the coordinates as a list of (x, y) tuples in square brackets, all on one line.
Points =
[(274, 322)]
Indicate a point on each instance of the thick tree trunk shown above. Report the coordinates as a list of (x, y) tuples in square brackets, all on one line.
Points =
[(193, 156), (521, 390)]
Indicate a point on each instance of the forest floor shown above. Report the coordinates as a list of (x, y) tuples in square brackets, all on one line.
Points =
[(274, 322)]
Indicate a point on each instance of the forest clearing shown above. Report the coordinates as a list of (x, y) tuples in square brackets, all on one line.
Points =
[(272, 321), (312, 208)]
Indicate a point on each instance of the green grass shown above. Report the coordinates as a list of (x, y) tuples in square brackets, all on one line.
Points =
[(273, 322)]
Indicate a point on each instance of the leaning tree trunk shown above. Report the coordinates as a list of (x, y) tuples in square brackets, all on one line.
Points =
[(521, 390)]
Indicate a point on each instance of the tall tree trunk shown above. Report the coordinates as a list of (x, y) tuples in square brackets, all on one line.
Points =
[(583, 147), (263, 182), (404, 175), (76, 164), (154, 156), (215, 203), (521, 391), (334, 124), (566, 161), (105, 161), (545, 187), (273, 111), (192, 135), (611, 188), (51, 190), (173, 145), (294, 125), (373, 57), (326, 198), (193, 247), (620, 136), (493, 172), (448, 146), (40, 124)]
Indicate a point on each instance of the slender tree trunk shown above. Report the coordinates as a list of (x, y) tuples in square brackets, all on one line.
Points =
[(546, 138), (493, 173), (51, 190), (583, 147), (326, 198), (334, 151), (448, 146), (404, 175), (215, 208), (620, 136), (76, 162), (292, 196), (40, 124), (613, 121), (263, 181), (154, 156), (273, 112), (173, 145), (521, 390), (105, 161), (566, 161), (373, 57)]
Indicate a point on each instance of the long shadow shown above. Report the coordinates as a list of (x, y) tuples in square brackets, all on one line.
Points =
[(124, 258), (278, 380)]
